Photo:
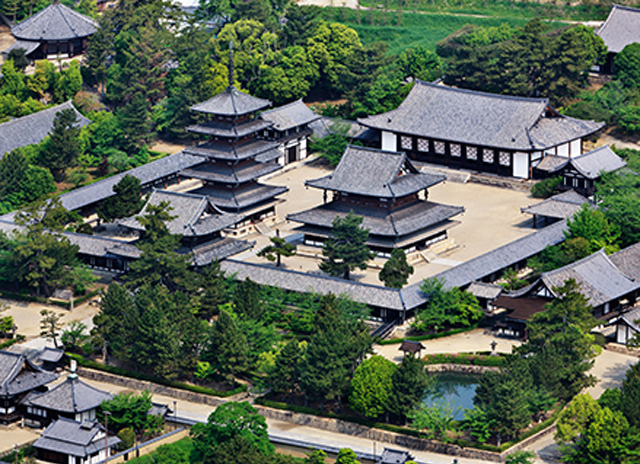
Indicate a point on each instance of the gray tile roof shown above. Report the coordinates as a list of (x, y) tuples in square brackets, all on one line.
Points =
[(219, 250), (55, 22), (245, 196), (33, 128), (628, 261), (292, 115), (478, 118), (231, 102), (227, 152), (600, 160), (552, 163), (51, 355), (621, 28), (630, 318), (26, 45), (414, 217), (376, 173), (229, 130), (19, 375), (71, 396), (194, 215), (561, 206), (230, 174), (147, 173), (599, 278), (73, 438), (484, 290)]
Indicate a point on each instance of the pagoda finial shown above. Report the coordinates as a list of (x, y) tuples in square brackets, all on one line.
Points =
[(231, 63)]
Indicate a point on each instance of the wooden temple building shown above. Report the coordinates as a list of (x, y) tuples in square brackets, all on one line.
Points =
[(234, 157), (56, 31), (479, 131), (389, 193), (621, 28)]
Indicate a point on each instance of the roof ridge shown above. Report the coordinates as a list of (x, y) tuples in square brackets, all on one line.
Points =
[(481, 93), (287, 105)]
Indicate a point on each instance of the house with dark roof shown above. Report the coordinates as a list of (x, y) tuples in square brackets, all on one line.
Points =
[(621, 28), (290, 127), (33, 128), (580, 173), (18, 378), (558, 207), (479, 131), (233, 157), (56, 31), (387, 190), (68, 441), (72, 399)]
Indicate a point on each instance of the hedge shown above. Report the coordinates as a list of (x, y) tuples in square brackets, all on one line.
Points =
[(465, 358), (38, 299), (11, 342), (419, 338), (150, 378)]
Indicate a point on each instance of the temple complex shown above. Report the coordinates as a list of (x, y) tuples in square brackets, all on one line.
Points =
[(621, 28), (390, 194)]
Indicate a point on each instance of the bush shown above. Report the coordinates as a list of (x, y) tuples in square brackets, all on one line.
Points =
[(546, 188), (127, 437), (465, 358), (629, 118)]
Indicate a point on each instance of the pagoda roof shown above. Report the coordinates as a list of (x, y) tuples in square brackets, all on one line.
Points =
[(245, 196), (479, 118), (195, 215), (621, 28), (19, 375), (55, 22), (230, 174), (71, 396), (561, 206), (231, 102), (409, 219), (376, 173), (292, 115), (229, 129), (264, 149)]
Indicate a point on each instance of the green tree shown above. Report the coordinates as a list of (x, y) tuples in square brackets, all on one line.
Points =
[(286, 373), (409, 384), (135, 122), (576, 418), (347, 456), (247, 299), (74, 336), (116, 321), (592, 225), (333, 144), (50, 325), (396, 271), (71, 81), (126, 202), (226, 349), (215, 290), (347, 249), (128, 411), (229, 422), (21, 182), (436, 420), (277, 249), (507, 409), (63, 147), (630, 395), (19, 58), (371, 386), (521, 457), (626, 65)]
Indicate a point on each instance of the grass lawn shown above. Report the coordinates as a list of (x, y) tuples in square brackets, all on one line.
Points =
[(181, 447), (410, 29), (503, 8)]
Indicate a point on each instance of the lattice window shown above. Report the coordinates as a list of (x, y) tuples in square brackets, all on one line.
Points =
[(439, 147), (405, 142), (505, 158), (423, 145), (455, 149), (472, 153), (488, 155)]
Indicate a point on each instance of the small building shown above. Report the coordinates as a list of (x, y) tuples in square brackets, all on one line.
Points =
[(387, 190), (19, 377), (33, 128), (68, 441), (73, 399), (515, 314), (57, 31), (411, 347), (621, 28), (580, 173), (485, 293), (51, 358), (479, 131), (291, 129), (627, 326), (394, 456), (556, 208)]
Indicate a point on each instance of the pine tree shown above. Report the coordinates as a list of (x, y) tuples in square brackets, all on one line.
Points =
[(215, 290), (135, 122), (409, 383), (226, 349), (347, 249), (114, 322), (277, 249), (248, 300), (126, 202), (286, 373), (63, 147), (396, 271)]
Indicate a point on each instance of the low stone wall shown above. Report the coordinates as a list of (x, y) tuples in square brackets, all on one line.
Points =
[(622, 349), (532, 439), (520, 185), (461, 368), (154, 388)]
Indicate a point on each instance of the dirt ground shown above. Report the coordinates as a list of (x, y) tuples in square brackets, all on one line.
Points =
[(14, 435), (492, 218), (167, 147), (6, 39)]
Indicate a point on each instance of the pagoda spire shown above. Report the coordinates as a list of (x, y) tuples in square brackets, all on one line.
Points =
[(231, 63)]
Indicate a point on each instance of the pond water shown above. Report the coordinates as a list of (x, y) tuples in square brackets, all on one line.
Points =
[(455, 390)]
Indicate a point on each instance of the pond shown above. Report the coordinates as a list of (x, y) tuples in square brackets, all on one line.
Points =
[(456, 390)]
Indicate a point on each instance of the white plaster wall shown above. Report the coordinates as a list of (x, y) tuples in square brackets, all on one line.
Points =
[(521, 165), (576, 147), (563, 150), (303, 148), (389, 141)]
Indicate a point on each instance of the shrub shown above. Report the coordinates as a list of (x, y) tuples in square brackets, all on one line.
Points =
[(546, 188), (127, 437), (629, 118)]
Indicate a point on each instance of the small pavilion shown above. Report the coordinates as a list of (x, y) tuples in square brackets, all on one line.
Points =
[(411, 347), (56, 31)]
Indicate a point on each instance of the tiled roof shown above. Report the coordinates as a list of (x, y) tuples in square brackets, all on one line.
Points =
[(71, 396), (194, 215), (230, 130), (628, 261), (376, 173), (73, 438), (52, 355), (552, 163), (561, 206), (227, 151), (18, 374), (286, 117), (479, 118), (26, 45), (621, 28), (219, 250), (600, 160), (484, 290), (55, 22), (231, 102), (230, 174), (33, 128), (245, 196)]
